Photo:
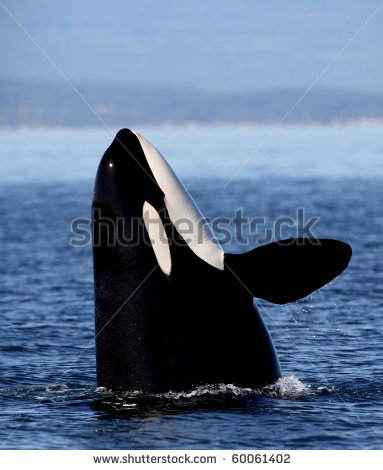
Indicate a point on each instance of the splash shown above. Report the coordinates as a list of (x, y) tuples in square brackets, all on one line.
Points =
[(206, 391), (288, 387)]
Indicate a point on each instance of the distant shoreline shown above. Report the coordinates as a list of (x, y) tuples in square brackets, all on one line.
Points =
[(351, 123), (56, 105)]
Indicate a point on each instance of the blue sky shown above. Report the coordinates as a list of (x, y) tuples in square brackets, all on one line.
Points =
[(233, 45)]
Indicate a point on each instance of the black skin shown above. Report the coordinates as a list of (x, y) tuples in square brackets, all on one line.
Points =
[(199, 325)]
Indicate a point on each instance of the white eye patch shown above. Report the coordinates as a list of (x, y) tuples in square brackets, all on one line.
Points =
[(158, 237)]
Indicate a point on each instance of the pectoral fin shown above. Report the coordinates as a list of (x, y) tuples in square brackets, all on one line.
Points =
[(289, 270)]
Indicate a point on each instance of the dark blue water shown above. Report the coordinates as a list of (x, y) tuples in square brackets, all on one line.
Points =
[(330, 345)]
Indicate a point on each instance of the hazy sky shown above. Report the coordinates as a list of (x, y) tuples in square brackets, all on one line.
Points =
[(211, 44)]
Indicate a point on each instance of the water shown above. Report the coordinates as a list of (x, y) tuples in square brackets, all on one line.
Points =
[(330, 344)]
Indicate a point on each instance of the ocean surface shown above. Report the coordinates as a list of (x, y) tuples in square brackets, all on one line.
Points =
[(330, 344)]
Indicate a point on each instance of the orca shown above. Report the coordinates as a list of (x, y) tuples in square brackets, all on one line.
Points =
[(173, 311)]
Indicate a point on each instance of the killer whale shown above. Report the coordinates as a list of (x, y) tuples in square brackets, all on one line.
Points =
[(172, 309)]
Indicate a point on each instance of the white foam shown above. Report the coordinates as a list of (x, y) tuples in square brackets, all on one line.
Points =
[(287, 387), (209, 390)]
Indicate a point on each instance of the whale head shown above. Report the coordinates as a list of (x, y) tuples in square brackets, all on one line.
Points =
[(134, 181)]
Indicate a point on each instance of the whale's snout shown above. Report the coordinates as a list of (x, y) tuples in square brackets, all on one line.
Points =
[(124, 179)]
